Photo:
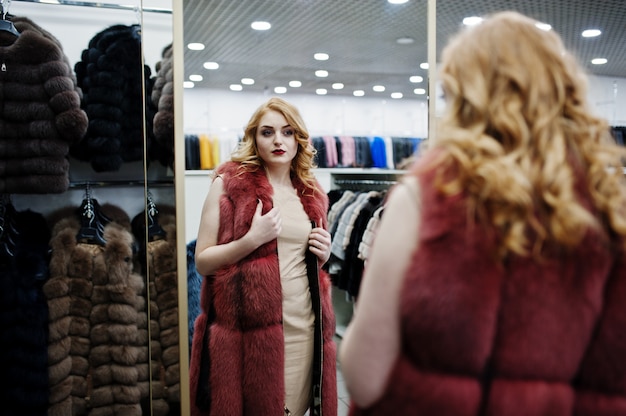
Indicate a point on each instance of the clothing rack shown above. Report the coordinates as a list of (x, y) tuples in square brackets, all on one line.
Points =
[(123, 183), (101, 5), (364, 183)]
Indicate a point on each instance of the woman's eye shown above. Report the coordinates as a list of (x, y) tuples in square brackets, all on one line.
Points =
[(266, 133), (289, 132)]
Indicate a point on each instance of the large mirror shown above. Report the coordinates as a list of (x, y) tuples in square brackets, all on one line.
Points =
[(229, 69), (101, 187), (353, 69)]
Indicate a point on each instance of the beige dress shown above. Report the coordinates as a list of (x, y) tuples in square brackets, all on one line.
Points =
[(298, 317)]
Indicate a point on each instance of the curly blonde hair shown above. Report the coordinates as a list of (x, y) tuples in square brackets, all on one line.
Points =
[(520, 136), (301, 166)]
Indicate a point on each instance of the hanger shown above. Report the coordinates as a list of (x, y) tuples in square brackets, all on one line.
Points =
[(5, 24), (155, 231), (8, 230), (92, 221)]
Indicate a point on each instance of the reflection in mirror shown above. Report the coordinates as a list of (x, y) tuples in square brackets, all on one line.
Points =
[(373, 84), (81, 170)]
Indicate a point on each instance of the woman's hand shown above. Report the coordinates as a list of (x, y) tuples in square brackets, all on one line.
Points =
[(264, 228), (319, 243)]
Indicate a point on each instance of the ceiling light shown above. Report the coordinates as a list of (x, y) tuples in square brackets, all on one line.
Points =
[(195, 46), (419, 91), (211, 65), (416, 79), (195, 77), (424, 65), (321, 73), (591, 33), (543, 26), (337, 86), (280, 90), (321, 91), (405, 40), (236, 87), (358, 93), (599, 61), (378, 88), (396, 95), (188, 84), (320, 56), (472, 20), (247, 81), (260, 25), (295, 84), (397, 1)]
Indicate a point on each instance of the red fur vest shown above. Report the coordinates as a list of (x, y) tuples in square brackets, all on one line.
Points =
[(520, 338), (237, 360)]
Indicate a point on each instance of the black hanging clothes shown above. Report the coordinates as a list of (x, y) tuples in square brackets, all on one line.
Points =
[(23, 314), (110, 74)]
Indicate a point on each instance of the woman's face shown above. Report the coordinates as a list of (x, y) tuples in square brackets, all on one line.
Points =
[(276, 139)]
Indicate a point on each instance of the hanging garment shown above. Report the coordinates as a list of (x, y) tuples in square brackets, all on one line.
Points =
[(163, 100), (97, 349), (40, 114), (114, 82), (23, 314)]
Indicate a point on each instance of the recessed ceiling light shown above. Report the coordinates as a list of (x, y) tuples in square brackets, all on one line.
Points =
[(321, 73), (337, 86), (321, 56), (321, 91), (211, 65), (358, 93), (543, 26), (424, 65), (280, 90), (397, 1), (591, 33), (416, 79), (295, 84), (188, 84), (472, 20), (195, 46), (419, 91), (405, 40), (378, 88), (236, 87), (260, 25), (396, 95), (247, 81), (599, 61), (195, 77)]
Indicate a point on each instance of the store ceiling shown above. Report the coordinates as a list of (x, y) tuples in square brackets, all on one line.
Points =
[(360, 37)]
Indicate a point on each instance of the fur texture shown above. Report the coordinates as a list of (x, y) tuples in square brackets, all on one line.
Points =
[(246, 343), (110, 76), (41, 114), (97, 349), (520, 338)]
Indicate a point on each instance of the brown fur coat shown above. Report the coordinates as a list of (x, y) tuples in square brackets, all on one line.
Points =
[(98, 357)]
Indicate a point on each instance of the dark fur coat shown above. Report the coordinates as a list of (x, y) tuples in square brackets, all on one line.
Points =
[(40, 114), (523, 337), (110, 74), (245, 341)]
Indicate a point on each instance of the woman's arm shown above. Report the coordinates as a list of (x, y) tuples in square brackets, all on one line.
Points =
[(210, 256), (371, 343)]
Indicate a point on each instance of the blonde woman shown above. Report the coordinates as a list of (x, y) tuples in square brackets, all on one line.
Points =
[(263, 344), (496, 284)]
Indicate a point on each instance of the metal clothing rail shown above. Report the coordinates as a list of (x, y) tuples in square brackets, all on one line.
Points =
[(151, 183), (100, 5)]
